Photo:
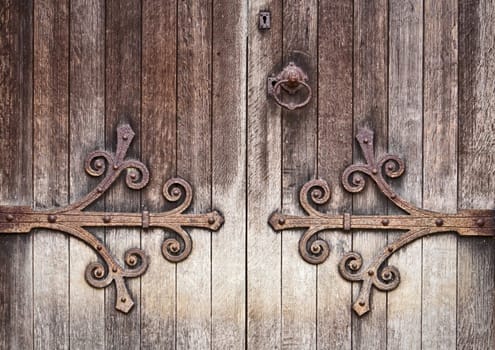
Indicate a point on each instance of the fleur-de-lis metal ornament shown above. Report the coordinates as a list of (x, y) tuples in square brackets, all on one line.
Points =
[(416, 223), (74, 221)]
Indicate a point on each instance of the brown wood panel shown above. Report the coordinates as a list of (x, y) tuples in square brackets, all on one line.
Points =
[(405, 95), (50, 172), (87, 133), (229, 173), (123, 105), (370, 110), (299, 153), (440, 171), (476, 257), (264, 182), (158, 137), (194, 164), (335, 34), (16, 183)]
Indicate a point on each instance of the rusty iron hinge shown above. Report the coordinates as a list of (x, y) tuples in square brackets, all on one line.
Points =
[(418, 223), (73, 221)]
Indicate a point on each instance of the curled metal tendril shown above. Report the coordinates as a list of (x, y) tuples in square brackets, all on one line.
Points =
[(313, 251), (176, 249), (175, 190), (314, 192)]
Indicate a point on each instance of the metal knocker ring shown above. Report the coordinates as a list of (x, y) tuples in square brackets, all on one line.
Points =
[(291, 79)]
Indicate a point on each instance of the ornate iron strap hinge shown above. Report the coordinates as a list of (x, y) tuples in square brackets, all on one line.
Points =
[(418, 223), (74, 221)]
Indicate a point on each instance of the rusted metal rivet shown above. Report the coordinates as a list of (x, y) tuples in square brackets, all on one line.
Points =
[(357, 180), (480, 222), (114, 269), (387, 275), (52, 218), (211, 220), (99, 273), (99, 247), (439, 222), (174, 248), (390, 249), (366, 140), (131, 260), (374, 171), (390, 167), (385, 222), (107, 219), (133, 175), (10, 217), (393, 196), (123, 299), (115, 167), (99, 190), (175, 191), (371, 272), (353, 265), (362, 303), (281, 221), (125, 137), (99, 164)]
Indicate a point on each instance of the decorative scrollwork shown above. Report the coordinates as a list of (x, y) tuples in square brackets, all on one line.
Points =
[(101, 274), (416, 224)]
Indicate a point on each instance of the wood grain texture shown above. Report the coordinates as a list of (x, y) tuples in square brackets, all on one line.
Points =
[(476, 257), (194, 164), (50, 172), (264, 194), (158, 135), (335, 33), (370, 110), (123, 104), (229, 173), (299, 158), (16, 88), (87, 120), (440, 172), (406, 140)]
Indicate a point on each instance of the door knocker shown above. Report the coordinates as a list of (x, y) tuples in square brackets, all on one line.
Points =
[(292, 80)]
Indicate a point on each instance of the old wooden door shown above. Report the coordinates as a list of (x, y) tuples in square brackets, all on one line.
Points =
[(190, 78)]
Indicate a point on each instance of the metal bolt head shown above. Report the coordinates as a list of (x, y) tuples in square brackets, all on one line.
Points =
[(99, 164), (123, 299), (393, 196), (175, 191), (366, 141), (480, 222), (374, 171), (211, 220), (371, 272), (10, 217), (133, 175), (99, 247), (439, 222), (362, 303), (115, 167), (390, 249), (52, 218), (107, 219), (385, 222), (114, 269), (281, 221)]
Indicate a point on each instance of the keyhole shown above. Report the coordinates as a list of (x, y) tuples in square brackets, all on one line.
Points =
[(264, 19)]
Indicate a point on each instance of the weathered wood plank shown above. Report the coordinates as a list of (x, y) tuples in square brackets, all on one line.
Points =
[(440, 172), (476, 257), (335, 35), (264, 182), (406, 140), (229, 173), (50, 172), (123, 104), (16, 88), (370, 110), (158, 135), (299, 152), (87, 118), (194, 164)]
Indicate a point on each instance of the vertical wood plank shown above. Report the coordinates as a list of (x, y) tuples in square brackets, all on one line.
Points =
[(229, 173), (50, 249), (405, 139), (370, 110), (194, 164), (335, 43), (476, 257), (158, 136), (440, 172), (123, 104), (264, 182), (299, 165), (87, 118), (16, 88)]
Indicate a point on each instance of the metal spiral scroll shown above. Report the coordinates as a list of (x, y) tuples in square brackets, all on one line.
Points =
[(74, 221), (416, 224)]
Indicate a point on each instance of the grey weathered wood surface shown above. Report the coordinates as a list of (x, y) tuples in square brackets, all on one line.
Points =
[(190, 78), (50, 171), (335, 45), (476, 257), (16, 182), (405, 123), (87, 114)]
